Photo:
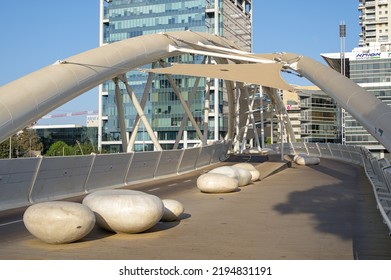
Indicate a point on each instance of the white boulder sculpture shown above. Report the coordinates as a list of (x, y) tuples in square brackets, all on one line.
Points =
[(253, 150), (305, 160), (59, 222), (243, 176), (248, 166), (125, 211), (217, 183), (227, 171), (266, 151), (172, 210)]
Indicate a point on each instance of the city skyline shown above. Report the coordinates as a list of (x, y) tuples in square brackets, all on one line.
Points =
[(42, 35)]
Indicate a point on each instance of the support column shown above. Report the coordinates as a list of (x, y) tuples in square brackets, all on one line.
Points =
[(185, 118), (272, 123), (250, 117), (206, 112), (262, 120), (251, 105), (137, 121), (121, 115), (216, 109), (184, 105), (100, 119), (280, 109), (282, 133), (216, 81), (237, 119), (141, 114), (242, 146)]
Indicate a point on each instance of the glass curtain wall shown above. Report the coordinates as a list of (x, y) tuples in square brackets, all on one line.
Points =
[(128, 19), (375, 76), (124, 19)]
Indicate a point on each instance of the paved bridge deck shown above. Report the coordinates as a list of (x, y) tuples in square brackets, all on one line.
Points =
[(305, 213)]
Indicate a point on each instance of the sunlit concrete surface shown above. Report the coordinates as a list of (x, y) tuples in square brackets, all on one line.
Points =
[(327, 211)]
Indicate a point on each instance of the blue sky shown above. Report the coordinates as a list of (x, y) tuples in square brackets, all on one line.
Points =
[(37, 33)]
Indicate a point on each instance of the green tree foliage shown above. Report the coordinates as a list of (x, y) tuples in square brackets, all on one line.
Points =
[(85, 148), (60, 148), (28, 143), (5, 148), (23, 144)]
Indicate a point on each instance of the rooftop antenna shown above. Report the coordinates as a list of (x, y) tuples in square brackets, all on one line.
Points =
[(342, 36)]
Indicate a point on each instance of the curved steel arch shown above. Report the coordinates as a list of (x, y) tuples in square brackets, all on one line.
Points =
[(29, 98), (373, 114)]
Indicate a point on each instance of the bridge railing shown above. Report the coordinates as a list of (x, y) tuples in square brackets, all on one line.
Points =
[(24, 181), (377, 170)]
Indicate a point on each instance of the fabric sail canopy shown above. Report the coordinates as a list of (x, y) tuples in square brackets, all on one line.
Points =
[(259, 74)]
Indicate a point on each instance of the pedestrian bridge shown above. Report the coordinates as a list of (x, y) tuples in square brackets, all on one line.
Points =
[(321, 212), (26, 181)]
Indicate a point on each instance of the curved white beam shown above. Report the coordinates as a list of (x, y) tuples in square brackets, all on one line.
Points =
[(367, 109), (29, 98)]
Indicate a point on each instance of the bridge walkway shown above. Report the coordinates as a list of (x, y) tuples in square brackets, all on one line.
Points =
[(318, 212)]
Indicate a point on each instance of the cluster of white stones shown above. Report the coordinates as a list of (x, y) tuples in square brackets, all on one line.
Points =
[(217, 183), (303, 159), (119, 210), (226, 179)]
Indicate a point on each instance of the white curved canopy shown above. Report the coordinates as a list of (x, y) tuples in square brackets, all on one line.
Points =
[(260, 74)]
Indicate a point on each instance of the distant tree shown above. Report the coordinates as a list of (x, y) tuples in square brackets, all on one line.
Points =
[(85, 148), (29, 144), (25, 143), (5, 148), (60, 148)]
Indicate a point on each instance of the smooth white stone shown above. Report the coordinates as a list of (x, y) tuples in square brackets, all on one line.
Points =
[(125, 211), (266, 151), (244, 176), (59, 222), (172, 210), (263, 151), (226, 170), (216, 183), (254, 150), (306, 160), (255, 174)]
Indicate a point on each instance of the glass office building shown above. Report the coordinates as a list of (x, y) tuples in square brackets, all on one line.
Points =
[(122, 19), (69, 134), (371, 69), (313, 115)]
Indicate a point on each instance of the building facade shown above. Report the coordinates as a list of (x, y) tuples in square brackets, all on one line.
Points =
[(70, 134), (369, 66), (375, 19), (122, 19), (371, 69), (313, 115)]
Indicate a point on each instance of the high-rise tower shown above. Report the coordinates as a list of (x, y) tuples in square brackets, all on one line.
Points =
[(375, 19), (122, 19), (369, 66)]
